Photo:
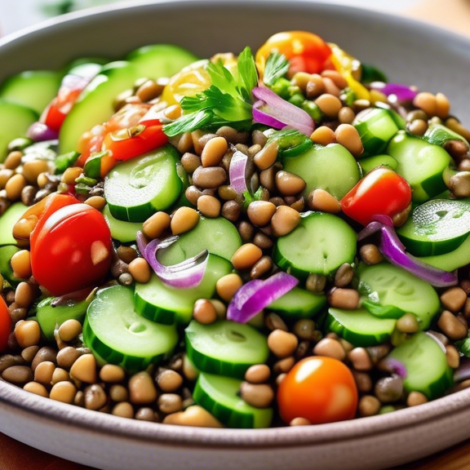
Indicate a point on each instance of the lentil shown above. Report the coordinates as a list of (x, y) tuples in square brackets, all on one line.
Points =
[(18, 374), (451, 326), (246, 231), (28, 353), (149, 90), (123, 410), (227, 286), (44, 354), (281, 343), (416, 398), (427, 102), (454, 299), (261, 267), (28, 195), (32, 169), (257, 395), (231, 210), (408, 323), (63, 392), (344, 275), (284, 220), (370, 254), (155, 225), (246, 256), (183, 220), (347, 299), (348, 137), (189, 371), (267, 156), (118, 393), (262, 241), (389, 389), (418, 127), (300, 422), (284, 365), (274, 322), (60, 375), (227, 193), (37, 389), (170, 403), (315, 86), (363, 381), (346, 115), (316, 283), (453, 356), (111, 373), (258, 374), (27, 333), (139, 269), (13, 160), (321, 200), (289, 184), (193, 416), (211, 177), (329, 105), (204, 312), (69, 330), (141, 389), (213, 152), (84, 369), (67, 356), (368, 406), (330, 348), (97, 202), (24, 295), (442, 106), (261, 212)]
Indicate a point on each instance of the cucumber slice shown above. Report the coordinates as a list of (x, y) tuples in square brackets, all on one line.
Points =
[(375, 127), (389, 285), (7, 222), (298, 303), (426, 366), (219, 396), (120, 336), (319, 168), (421, 164), (456, 259), (218, 236), (34, 89), (6, 253), (436, 227), (95, 104), (49, 316), (438, 134), (359, 327), (370, 163), (124, 232), (15, 119), (225, 347), (160, 60), (138, 188), (320, 244), (165, 304)]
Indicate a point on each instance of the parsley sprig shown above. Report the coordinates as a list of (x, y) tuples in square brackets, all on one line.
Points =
[(276, 67), (226, 102)]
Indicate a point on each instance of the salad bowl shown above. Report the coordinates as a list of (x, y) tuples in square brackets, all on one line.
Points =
[(408, 52)]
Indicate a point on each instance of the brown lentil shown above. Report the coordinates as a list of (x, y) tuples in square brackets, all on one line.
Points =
[(347, 299), (231, 210), (451, 326), (257, 395), (246, 256), (346, 115), (60, 375), (418, 127), (123, 410), (208, 178), (14, 186), (37, 389), (315, 86), (63, 392), (453, 356), (32, 169), (348, 137), (193, 416), (442, 106), (139, 269), (18, 374), (329, 105), (149, 90), (368, 406), (209, 206), (190, 162), (454, 125), (71, 174), (183, 220), (259, 138), (289, 184), (227, 193), (360, 359), (5, 176), (281, 343), (416, 398), (454, 299), (79, 399), (170, 403), (344, 275), (261, 212), (69, 330), (274, 322), (169, 380), (408, 323), (97, 202), (284, 220), (173, 111), (189, 371), (67, 356), (220, 309), (155, 225), (258, 374), (24, 295), (267, 156), (321, 200), (27, 333), (142, 391), (147, 414), (389, 389), (370, 254), (304, 329), (204, 312), (262, 241), (95, 397), (427, 102), (246, 231), (13, 160), (316, 283), (28, 353), (330, 348), (28, 195), (118, 393), (300, 422), (44, 354), (336, 77), (284, 365), (363, 381), (84, 369), (227, 286), (213, 152), (261, 267), (111, 373)]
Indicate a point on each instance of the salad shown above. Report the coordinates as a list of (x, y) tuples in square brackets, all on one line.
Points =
[(241, 241)]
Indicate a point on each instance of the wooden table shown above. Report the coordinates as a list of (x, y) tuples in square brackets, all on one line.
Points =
[(453, 14)]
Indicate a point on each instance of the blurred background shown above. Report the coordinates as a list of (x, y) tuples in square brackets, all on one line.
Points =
[(450, 14)]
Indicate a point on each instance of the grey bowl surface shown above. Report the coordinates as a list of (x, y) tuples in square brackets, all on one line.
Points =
[(409, 52)]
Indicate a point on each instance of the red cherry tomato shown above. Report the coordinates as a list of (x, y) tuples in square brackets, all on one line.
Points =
[(382, 192), (320, 389), (5, 325), (71, 250), (305, 51)]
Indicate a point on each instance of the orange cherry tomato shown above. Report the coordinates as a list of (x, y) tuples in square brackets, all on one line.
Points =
[(71, 250), (5, 325), (305, 51), (320, 389), (380, 192)]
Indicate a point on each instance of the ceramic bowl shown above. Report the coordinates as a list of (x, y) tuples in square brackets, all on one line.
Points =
[(408, 52)]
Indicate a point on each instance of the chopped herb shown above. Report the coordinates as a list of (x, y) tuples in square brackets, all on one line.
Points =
[(463, 346), (249, 198), (291, 142), (276, 67)]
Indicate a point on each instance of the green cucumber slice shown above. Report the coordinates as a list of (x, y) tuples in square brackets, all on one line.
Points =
[(6, 253), (225, 347), (122, 231), (49, 316), (218, 236), (359, 327), (319, 168), (219, 396), (15, 119), (421, 164), (138, 188), (298, 303), (160, 60), (375, 127), (436, 227), (165, 304), (320, 244), (370, 163), (426, 366), (389, 285), (7, 222), (453, 260), (120, 336), (34, 89), (438, 134)]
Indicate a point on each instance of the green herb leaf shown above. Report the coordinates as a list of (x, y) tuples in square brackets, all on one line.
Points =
[(188, 123), (463, 346), (247, 74), (276, 67)]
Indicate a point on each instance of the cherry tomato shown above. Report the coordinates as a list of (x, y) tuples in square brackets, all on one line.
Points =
[(381, 192), (305, 51), (124, 146), (5, 325), (71, 250), (320, 389)]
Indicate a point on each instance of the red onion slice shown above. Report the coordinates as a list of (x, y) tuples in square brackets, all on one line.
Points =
[(394, 366), (283, 111), (237, 172), (463, 372), (259, 115), (184, 275), (402, 92), (39, 132), (256, 295), (436, 338)]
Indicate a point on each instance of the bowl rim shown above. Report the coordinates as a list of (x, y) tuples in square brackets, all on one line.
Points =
[(37, 407)]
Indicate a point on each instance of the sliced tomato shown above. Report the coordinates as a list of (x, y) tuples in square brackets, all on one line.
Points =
[(381, 192), (71, 249), (5, 325), (305, 51)]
